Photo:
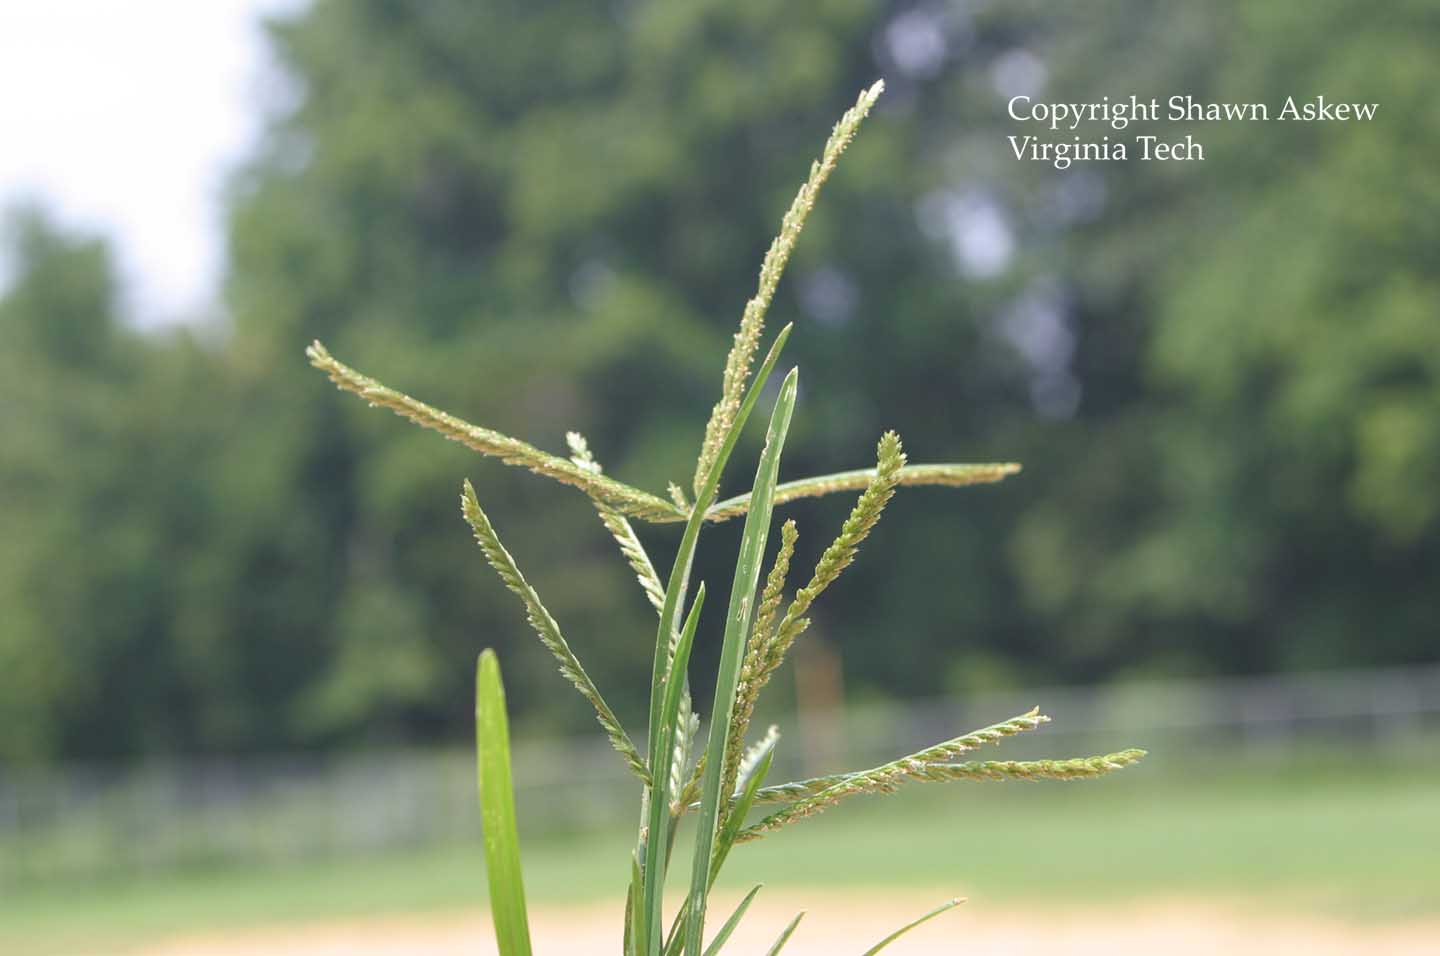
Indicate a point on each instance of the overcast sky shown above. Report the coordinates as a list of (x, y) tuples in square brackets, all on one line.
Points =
[(125, 117)]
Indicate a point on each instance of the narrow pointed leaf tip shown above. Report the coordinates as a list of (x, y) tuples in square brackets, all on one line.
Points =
[(722, 937), (946, 476), (497, 810), (785, 935), (942, 908)]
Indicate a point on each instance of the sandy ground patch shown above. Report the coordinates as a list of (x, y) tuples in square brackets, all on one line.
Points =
[(848, 923)]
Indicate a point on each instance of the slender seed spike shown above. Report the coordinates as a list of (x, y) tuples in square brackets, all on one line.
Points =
[(512, 451), (767, 650), (774, 584), (953, 476), (545, 626), (949, 749), (1075, 768), (620, 528), (760, 635), (888, 778), (752, 322), (942, 752), (624, 534), (890, 461)]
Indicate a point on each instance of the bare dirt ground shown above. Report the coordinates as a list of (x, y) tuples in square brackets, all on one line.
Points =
[(838, 924)]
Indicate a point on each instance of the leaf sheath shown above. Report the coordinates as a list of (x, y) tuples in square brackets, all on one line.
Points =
[(737, 627)]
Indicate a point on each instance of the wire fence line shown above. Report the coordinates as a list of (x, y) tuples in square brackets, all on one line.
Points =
[(83, 821)]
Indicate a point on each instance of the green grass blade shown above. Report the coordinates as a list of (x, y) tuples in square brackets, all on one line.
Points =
[(953, 476), (763, 754), (730, 829), (680, 571), (721, 937), (497, 810), (663, 747), (785, 936), (737, 628), (943, 907), (676, 939)]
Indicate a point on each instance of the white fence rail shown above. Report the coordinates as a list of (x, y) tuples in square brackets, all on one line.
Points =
[(88, 820)]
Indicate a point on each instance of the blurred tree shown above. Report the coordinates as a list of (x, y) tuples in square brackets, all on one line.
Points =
[(1221, 376), (100, 493), (54, 378), (1251, 482), (550, 219)]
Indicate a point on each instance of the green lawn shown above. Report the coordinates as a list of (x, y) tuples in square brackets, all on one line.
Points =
[(1350, 841)]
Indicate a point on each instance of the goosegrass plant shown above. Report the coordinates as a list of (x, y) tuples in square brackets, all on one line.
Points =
[(718, 779)]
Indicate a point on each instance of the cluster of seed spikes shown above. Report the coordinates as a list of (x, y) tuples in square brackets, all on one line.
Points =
[(722, 782)]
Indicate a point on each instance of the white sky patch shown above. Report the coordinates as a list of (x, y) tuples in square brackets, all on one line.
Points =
[(125, 119), (976, 226), (1018, 72)]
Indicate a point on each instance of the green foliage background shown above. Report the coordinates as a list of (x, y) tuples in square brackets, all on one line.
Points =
[(1223, 377)]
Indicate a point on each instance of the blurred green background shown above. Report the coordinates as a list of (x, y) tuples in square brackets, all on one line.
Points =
[(1222, 377)]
